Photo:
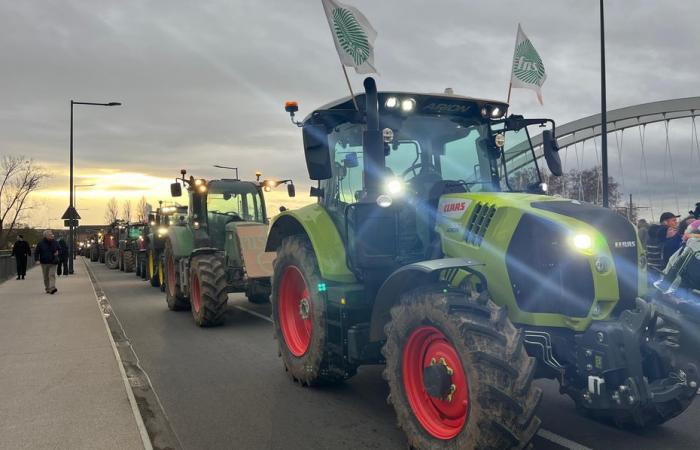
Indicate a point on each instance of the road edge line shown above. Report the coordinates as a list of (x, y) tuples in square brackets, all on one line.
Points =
[(143, 432), (561, 440)]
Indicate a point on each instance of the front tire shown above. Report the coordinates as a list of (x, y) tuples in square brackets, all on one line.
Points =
[(112, 259), (129, 261), (175, 298), (458, 373), (208, 290), (153, 275), (299, 315)]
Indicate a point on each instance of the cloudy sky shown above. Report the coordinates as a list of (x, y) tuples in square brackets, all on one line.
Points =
[(204, 82)]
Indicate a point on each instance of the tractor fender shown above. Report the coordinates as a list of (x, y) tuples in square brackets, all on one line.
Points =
[(410, 277), (314, 222), (182, 241)]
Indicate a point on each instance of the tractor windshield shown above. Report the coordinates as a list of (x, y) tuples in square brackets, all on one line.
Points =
[(135, 232), (423, 149), (234, 202)]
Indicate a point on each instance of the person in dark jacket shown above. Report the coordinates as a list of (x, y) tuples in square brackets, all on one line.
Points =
[(46, 253), (21, 251), (62, 257)]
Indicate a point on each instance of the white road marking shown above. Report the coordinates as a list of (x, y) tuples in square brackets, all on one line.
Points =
[(544, 434), (561, 440), (256, 314)]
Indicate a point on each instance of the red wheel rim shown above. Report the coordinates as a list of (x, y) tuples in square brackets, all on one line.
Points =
[(295, 311), (442, 418), (196, 296), (171, 276)]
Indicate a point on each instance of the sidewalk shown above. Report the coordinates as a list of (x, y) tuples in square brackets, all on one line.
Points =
[(60, 385)]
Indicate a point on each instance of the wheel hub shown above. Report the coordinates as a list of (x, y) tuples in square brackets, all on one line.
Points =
[(304, 308), (437, 380)]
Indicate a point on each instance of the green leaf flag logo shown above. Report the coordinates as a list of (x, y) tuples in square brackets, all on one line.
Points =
[(527, 64), (350, 35), (528, 69)]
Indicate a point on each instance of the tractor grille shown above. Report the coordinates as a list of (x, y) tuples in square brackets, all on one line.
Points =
[(546, 275), (621, 237), (479, 223)]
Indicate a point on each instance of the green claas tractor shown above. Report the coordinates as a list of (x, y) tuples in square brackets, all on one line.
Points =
[(432, 249), (129, 237), (159, 222), (220, 248)]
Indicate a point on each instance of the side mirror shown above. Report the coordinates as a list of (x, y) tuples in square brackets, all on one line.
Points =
[(551, 153), (291, 190), (316, 151), (176, 190)]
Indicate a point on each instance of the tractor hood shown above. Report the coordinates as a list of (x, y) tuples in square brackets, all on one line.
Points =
[(588, 257)]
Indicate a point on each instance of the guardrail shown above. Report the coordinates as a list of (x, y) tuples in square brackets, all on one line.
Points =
[(8, 266)]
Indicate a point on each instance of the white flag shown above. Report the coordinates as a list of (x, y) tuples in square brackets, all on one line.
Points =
[(528, 69), (353, 36)]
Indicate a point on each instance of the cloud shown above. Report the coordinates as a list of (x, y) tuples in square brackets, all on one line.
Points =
[(204, 82)]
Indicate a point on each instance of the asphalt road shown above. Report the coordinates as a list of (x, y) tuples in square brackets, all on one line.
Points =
[(225, 387)]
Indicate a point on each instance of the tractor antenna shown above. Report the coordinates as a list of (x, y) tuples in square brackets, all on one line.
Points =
[(227, 167)]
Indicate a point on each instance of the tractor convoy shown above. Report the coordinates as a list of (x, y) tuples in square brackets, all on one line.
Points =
[(433, 249)]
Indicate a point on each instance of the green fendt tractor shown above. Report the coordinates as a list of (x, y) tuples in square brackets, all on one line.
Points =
[(220, 248), (159, 221), (433, 250), (129, 237)]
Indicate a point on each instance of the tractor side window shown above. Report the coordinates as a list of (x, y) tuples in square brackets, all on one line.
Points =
[(253, 212), (520, 161), (348, 159)]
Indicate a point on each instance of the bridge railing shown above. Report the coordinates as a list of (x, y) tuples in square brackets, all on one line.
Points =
[(8, 266)]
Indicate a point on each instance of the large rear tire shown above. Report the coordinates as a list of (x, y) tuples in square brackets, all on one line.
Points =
[(299, 316), (112, 259), (176, 299), (208, 290), (458, 373), (129, 261)]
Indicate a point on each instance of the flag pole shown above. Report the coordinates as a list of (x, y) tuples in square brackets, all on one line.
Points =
[(347, 80), (510, 88)]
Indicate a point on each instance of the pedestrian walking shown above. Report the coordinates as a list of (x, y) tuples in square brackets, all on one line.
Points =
[(46, 252), (62, 257), (21, 251)]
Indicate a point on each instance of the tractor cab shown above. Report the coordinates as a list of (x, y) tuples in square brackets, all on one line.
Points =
[(383, 172)]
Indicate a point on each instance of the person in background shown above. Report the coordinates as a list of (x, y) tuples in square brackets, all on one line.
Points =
[(46, 253), (669, 235), (62, 257), (21, 251)]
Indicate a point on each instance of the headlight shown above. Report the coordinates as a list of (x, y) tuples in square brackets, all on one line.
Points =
[(384, 201), (408, 105), (582, 241), (394, 186), (202, 188), (391, 102), (162, 230)]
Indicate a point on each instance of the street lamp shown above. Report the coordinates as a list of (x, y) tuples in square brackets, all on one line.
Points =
[(71, 212)]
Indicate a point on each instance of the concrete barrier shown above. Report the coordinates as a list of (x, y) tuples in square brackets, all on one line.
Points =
[(8, 267)]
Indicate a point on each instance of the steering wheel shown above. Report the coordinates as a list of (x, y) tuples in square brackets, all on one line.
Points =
[(412, 170)]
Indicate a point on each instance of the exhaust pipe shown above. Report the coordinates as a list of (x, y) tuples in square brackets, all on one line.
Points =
[(373, 143)]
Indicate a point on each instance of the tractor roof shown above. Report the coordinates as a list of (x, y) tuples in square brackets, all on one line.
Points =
[(426, 103), (232, 186)]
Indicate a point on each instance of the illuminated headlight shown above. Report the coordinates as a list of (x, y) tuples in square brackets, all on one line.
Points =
[(492, 111), (153, 223), (391, 103), (198, 182), (195, 225), (162, 231), (408, 105), (202, 188), (394, 186), (582, 241), (496, 112), (500, 140), (267, 188), (544, 187), (384, 201)]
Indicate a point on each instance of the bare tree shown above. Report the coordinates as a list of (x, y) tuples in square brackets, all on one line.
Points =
[(126, 210), (112, 210), (141, 213), (19, 177)]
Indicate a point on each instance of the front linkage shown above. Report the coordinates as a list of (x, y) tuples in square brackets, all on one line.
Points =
[(631, 371)]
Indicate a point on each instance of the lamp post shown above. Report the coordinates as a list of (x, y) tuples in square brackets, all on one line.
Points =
[(71, 212), (603, 112)]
